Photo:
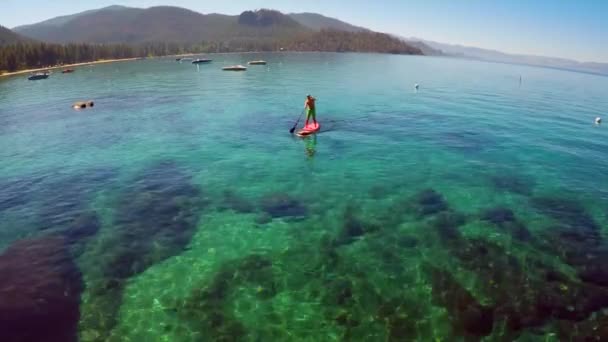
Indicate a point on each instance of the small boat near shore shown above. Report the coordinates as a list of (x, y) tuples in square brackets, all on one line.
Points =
[(257, 63), (201, 61), (68, 71), (38, 76), (235, 68)]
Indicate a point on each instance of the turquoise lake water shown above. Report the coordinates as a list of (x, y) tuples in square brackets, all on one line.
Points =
[(474, 208)]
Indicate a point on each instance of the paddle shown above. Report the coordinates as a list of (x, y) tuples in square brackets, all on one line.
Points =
[(296, 124)]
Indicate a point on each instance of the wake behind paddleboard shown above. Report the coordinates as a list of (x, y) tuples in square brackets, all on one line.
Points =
[(309, 129)]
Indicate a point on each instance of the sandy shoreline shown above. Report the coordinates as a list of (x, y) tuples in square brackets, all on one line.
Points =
[(66, 66), (103, 61)]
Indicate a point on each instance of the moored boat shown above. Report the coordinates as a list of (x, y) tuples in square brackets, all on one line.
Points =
[(235, 68), (201, 61), (257, 63), (67, 71), (38, 76)]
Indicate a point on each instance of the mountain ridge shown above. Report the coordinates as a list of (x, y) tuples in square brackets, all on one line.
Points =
[(260, 30), (7, 36), (56, 21), (490, 55), (320, 22), (120, 24)]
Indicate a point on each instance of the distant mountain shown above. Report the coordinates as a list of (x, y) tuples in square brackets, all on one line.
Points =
[(319, 22), (130, 25), (425, 48), (58, 21), (501, 57), (117, 24), (342, 41), (9, 37), (267, 18), (261, 30)]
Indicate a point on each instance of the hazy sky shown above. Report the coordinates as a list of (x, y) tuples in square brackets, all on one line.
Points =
[(561, 28)]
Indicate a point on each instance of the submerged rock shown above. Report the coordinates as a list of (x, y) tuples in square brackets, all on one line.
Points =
[(570, 214), (283, 205), (593, 329), (405, 241), (521, 297), (155, 219), (328, 255), (447, 225), (79, 232), (63, 199), (425, 203), (401, 329), (232, 201), (401, 318), (429, 202), (595, 270), (40, 288), (83, 227), (576, 239), (346, 319), (468, 316), (498, 215), (339, 292), (505, 219), (161, 210), (531, 296), (573, 246), (352, 227), (208, 308)]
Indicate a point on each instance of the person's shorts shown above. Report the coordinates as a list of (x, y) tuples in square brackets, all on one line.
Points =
[(311, 113)]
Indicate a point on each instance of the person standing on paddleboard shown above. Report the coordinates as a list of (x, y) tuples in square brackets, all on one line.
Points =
[(311, 111)]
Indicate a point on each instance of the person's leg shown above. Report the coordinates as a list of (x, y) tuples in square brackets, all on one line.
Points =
[(314, 116), (308, 111)]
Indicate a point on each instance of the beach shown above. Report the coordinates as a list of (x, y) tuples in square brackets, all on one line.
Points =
[(66, 66)]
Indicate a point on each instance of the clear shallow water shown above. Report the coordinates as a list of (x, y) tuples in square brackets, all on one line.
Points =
[(472, 209)]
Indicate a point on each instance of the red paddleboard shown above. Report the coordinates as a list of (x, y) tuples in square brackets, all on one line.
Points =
[(309, 129)]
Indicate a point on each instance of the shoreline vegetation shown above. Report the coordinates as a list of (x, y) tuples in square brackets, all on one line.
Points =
[(101, 61), (36, 55), (115, 60)]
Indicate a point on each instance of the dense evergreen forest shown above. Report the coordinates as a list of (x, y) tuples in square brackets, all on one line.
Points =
[(41, 55), (25, 55), (342, 41)]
